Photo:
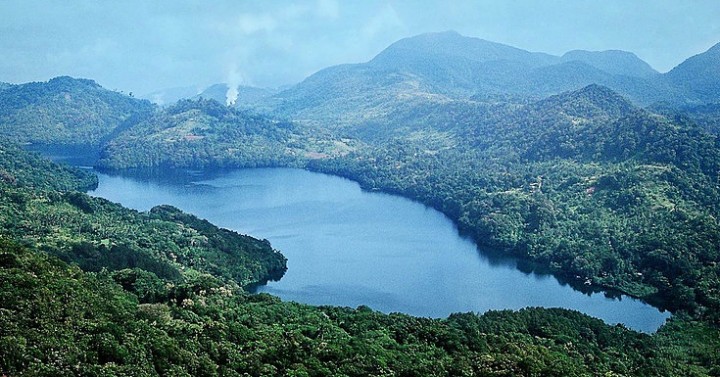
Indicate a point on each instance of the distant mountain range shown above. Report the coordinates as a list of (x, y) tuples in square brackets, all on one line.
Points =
[(423, 74), (438, 67)]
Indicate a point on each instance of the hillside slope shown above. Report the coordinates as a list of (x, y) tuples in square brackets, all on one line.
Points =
[(65, 110), (699, 75), (204, 133)]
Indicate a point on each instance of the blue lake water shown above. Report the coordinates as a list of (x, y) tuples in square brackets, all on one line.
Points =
[(350, 247)]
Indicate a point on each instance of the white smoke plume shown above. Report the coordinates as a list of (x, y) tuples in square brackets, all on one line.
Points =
[(234, 79)]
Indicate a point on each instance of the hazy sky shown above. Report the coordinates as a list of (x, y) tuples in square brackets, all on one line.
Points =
[(143, 45)]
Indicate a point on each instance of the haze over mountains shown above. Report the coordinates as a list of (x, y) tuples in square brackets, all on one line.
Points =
[(439, 67)]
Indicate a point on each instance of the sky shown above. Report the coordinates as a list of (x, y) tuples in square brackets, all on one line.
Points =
[(142, 46)]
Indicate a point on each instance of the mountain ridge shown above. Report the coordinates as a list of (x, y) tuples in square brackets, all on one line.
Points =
[(700, 75), (631, 64), (439, 67)]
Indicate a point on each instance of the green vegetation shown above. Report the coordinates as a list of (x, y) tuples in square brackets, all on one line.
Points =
[(582, 184), (161, 294), (30, 171)]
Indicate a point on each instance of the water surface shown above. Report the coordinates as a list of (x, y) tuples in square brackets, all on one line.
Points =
[(350, 247)]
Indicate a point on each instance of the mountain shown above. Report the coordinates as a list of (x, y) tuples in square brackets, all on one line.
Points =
[(4, 85), (66, 110), (699, 75), (439, 67), (453, 46), (349, 94), (614, 62), (453, 65)]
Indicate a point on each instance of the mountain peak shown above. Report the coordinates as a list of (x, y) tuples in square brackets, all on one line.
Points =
[(65, 110), (454, 45)]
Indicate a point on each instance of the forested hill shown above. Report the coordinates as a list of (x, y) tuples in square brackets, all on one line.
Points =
[(205, 133), (22, 169), (65, 110), (700, 75), (596, 124), (41, 207)]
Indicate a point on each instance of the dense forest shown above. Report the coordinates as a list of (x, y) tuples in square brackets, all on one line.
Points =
[(59, 320)]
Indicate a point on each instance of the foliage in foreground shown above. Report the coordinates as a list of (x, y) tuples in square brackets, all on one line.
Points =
[(59, 320)]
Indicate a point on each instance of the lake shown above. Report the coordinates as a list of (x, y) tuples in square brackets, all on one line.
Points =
[(350, 247)]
